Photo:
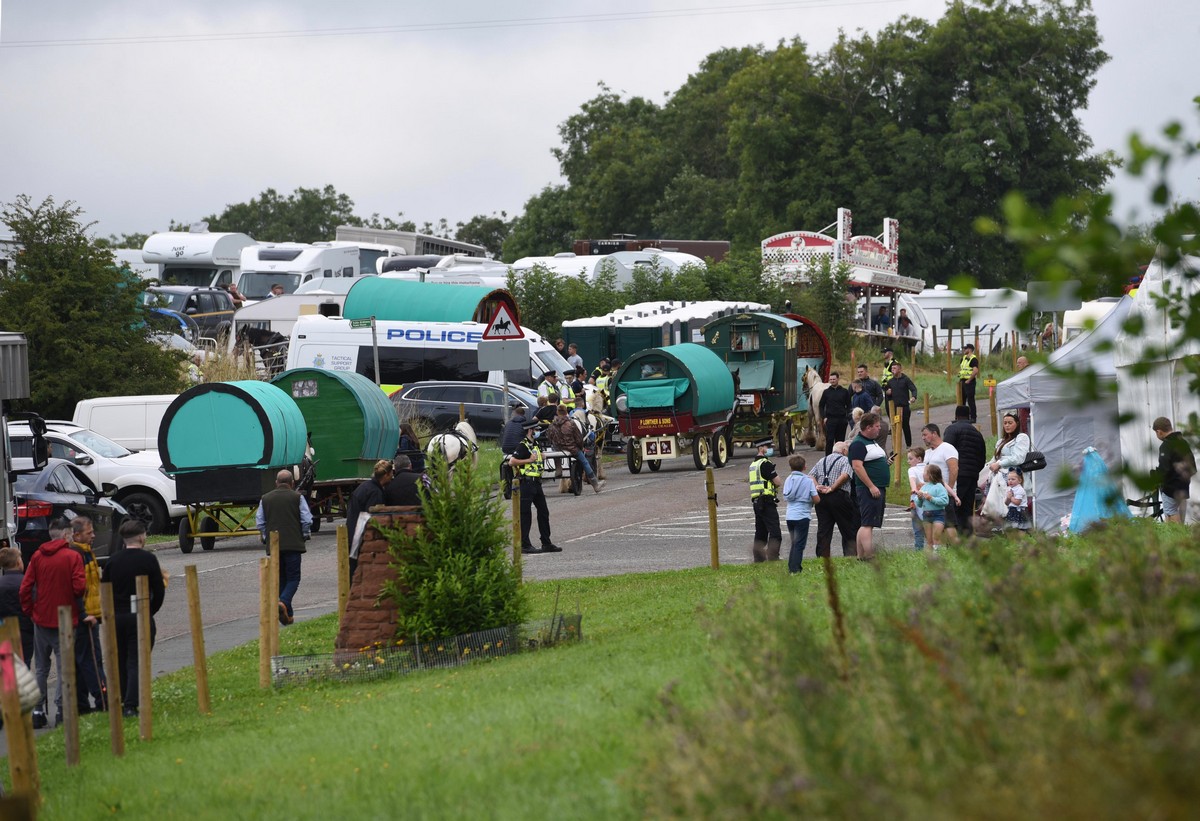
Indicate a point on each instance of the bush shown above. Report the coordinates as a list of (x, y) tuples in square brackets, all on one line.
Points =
[(453, 576), (1049, 678)]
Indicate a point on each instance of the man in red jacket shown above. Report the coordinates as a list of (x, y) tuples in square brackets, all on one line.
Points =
[(54, 579)]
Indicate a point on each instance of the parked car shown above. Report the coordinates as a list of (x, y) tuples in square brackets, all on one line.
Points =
[(141, 487), (62, 489), (437, 403), (211, 308)]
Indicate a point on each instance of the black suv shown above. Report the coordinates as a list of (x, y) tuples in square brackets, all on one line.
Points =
[(437, 403), (211, 308)]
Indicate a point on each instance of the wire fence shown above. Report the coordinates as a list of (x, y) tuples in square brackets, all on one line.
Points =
[(380, 661)]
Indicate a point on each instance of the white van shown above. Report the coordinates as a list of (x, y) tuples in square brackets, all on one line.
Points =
[(130, 421), (411, 351), (291, 264)]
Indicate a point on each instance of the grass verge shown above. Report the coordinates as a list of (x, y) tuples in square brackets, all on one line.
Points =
[(1013, 679)]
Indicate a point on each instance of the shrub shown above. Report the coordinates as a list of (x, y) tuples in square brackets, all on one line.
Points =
[(1035, 680), (453, 576)]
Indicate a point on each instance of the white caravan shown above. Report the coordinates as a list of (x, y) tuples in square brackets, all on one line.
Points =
[(993, 313), (411, 351), (371, 255), (200, 259), (280, 313), (569, 265), (291, 264)]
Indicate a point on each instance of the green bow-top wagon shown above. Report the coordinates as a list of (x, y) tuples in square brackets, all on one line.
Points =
[(224, 442), (760, 351), (351, 425), (670, 400)]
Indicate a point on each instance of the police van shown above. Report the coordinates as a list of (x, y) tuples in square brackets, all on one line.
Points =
[(411, 351)]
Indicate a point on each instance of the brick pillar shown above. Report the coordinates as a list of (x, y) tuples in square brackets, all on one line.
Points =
[(368, 619)]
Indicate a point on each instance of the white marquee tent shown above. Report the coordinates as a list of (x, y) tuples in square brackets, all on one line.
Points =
[(1164, 390), (1060, 425)]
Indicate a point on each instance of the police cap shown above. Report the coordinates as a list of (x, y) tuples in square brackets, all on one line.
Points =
[(764, 443)]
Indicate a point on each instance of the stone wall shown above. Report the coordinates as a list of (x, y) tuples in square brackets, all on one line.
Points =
[(369, 620)]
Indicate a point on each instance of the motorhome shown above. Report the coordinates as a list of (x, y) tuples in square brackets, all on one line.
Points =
[(989, 314), (585, 268), (291, 264), (371, 255), (199, 259), (411, 351), (131, 258)]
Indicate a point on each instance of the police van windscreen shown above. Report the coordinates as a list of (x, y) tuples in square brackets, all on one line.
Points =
[(553, 361), (403, 366)]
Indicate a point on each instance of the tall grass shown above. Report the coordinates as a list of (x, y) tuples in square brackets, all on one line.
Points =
[(1051, 679)]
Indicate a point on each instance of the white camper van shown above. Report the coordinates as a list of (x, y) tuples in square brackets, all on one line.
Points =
[(371, 255), (201, 259), (291, 264), (130, 421), (410, 351)]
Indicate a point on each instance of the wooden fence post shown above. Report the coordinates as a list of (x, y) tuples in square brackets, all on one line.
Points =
[(199, 657), (22, 750), (70, 706), (267, 609), (145, 670), (710, 490), (343, 571), (108, 635)]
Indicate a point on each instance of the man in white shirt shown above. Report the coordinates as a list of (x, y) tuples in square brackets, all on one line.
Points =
[(943, 454)]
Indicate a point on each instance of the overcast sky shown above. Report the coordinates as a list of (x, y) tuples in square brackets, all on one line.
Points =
[(430, 109)]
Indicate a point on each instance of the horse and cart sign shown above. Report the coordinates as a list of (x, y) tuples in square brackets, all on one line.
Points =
[(671, 400)]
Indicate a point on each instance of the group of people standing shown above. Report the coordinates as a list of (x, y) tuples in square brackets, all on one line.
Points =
[(847, 488), (63, 572)]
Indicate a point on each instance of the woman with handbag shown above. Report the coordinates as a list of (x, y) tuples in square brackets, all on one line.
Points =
[(1013, 445)]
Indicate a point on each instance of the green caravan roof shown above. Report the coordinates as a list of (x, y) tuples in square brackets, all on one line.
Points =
[(352, 422), (405, 300), (230, 425), (696, 379)]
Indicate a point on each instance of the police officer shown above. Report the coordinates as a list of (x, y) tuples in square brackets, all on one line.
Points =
[(764, 496), (885, 378), (552, 384), (527, 462), (510, 437), (968, 374)]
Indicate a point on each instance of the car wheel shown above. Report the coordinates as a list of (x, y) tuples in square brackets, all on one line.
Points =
[(146, 508), (209, 525), (186, 540)]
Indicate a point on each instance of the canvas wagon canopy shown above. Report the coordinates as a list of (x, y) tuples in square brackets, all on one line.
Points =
[(687, 381), (404, 300), (218, 425), (351, 421)]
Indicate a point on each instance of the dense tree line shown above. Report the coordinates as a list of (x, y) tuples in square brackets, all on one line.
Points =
[(81, 314), (931, 123)]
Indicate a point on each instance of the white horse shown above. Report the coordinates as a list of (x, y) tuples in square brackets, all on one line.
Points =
[(814, 388), (455, 445)]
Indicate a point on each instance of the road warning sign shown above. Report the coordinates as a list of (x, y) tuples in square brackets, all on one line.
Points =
[(503, 326)]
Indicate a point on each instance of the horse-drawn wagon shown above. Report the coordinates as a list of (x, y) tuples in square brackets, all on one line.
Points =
[(672, 399), (351, 425), (223, 443), (760, 350)]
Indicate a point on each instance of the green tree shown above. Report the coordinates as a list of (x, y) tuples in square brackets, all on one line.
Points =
[(81, 314), (490, 231), (305, 215), (545, 228)]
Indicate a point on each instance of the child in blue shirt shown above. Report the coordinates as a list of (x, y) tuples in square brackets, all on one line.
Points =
[(932, 499)]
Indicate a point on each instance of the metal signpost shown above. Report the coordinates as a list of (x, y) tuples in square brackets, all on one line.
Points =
[(503, 348), (369, 322)]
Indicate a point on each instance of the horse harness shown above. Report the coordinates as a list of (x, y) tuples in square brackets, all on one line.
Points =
[(467, 447)]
